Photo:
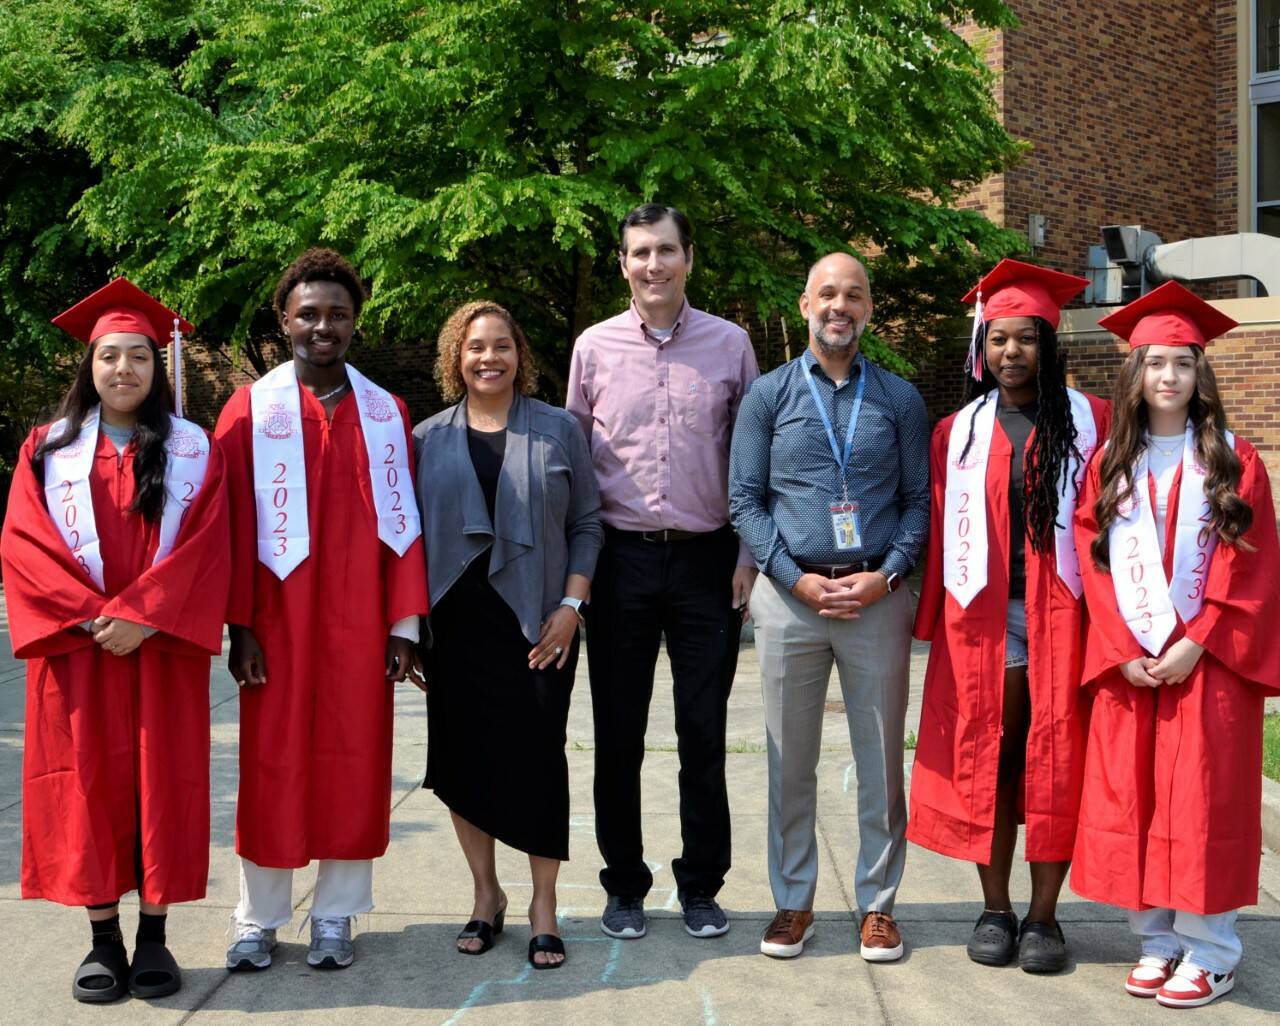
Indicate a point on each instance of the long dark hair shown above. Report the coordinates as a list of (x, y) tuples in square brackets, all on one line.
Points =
[(1055, 439), (153, 430), (1229, 515)]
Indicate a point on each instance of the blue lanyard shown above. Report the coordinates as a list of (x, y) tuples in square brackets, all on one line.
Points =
[(842, 459)]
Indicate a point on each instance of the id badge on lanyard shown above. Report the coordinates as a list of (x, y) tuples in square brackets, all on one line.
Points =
[(845, 525)]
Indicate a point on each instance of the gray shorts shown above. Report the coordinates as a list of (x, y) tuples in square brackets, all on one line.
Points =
[(1015, 636)]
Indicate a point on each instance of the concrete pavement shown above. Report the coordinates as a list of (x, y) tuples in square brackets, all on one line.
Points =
[(407, 971)]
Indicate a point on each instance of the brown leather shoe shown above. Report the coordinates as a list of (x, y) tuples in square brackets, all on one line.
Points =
[(881, 941), (785, 936)]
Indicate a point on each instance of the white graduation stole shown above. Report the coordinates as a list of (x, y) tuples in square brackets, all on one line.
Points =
[(964, 521), (1149, 602), (280, 475), (67, 495)]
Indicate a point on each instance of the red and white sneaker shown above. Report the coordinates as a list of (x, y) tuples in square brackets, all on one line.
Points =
[(1149, 975), (1190, 986)]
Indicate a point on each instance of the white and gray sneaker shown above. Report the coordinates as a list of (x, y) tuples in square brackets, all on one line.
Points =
[(251, 950), (331, 946), (624, 918)]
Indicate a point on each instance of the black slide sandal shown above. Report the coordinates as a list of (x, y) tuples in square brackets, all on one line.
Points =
[(548, 944), (107, 962), (154, 972)]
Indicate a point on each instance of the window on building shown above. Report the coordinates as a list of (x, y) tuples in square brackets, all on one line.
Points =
[(1268, 36), (1268, 136)]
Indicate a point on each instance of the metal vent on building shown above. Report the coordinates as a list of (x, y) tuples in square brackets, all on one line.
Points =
[(1132, 261)]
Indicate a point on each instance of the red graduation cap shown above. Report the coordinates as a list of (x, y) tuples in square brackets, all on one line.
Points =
[(1168, 316), (121, 306), (1015, 289)]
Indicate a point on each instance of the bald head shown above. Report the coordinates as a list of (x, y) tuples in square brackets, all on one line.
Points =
[(836, 264), (837, 304)]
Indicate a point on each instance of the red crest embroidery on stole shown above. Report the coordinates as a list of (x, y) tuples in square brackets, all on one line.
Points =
[(377, 407)]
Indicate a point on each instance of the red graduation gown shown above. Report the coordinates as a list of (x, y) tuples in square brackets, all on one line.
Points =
[(953, 781), (115, 782), (1170, 816), (315, 739)]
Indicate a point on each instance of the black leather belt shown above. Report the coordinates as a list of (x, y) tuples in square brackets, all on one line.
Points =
[(841, 569), (667, 534)]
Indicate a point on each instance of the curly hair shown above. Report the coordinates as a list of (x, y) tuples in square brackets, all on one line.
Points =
[(1230, 516), (453, 335), (1055, 439), (320, 265)]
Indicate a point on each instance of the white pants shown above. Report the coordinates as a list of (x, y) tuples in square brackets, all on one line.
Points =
[(1210, 942), (343, 888)]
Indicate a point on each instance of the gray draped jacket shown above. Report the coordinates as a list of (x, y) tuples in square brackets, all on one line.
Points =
[(546, 513)]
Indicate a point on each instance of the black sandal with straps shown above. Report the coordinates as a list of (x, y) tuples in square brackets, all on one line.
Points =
[(485, 932)]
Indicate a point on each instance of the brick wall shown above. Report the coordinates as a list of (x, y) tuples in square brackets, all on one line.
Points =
[(1122, 106), (1226, 146)]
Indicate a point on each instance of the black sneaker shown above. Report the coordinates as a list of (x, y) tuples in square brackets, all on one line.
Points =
[(702, 916), (1042, 948), (624, 918), (995, 938)]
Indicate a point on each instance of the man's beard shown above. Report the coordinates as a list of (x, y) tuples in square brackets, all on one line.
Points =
[(835, 347)]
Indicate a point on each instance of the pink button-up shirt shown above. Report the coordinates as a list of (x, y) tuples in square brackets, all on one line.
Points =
[(658, 416)]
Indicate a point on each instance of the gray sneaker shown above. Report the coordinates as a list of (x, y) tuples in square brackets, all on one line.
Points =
[(624, 918), (251, 950), (702, 916), (331, 946)]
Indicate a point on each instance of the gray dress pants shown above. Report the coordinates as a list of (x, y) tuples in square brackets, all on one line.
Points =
[(796, 648)]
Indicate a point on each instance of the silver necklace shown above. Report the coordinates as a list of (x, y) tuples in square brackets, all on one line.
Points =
[(1161, 449), (330, 395)]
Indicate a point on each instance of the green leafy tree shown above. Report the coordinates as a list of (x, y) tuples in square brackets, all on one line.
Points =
[(52, 51), (480, 147), (490, 147)]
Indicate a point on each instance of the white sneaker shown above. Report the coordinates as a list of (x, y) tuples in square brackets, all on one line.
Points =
[(1150, 974), (1191, 985)]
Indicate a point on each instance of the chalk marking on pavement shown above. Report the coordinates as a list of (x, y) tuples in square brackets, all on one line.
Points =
[(848, 771), (611, 963), (708, 1009)]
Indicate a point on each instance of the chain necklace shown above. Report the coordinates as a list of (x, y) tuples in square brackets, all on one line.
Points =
[(329, 395), (1162, 450)]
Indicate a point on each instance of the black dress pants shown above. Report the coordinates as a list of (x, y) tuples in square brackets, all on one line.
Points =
[(643, 590)]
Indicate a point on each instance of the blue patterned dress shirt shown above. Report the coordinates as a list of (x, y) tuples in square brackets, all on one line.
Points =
[(783, 477)]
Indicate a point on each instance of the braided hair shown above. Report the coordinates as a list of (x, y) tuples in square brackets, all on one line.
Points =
[(1055, 435)]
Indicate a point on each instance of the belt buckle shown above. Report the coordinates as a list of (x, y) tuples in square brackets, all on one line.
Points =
[(654, 536)]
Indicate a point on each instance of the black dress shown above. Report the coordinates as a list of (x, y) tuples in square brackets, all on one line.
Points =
[(495, 728)]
